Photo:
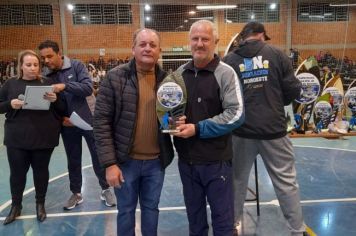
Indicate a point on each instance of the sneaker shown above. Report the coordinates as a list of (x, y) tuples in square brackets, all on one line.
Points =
[(108, 197), (237, 227), (73, 201)]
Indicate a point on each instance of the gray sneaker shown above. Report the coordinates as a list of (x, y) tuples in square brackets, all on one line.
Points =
[(73, 201), (108, 197), (237, 226)]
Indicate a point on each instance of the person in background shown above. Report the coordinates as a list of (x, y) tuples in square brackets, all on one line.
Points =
[(214, 108), (336, 73), (11, 70), (269, 84), (91, 70), (327, 75), (1, 79), (319, 57), (295, 58), (291, 54), (93, 73), (130, 145), (30, 135), (101, 73), (101, 62), (70, 78)]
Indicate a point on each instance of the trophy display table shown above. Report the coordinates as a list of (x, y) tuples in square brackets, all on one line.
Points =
[(315, 135), (326, 135)]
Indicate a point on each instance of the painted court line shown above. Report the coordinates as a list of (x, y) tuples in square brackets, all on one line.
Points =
[(181, 208), (88, 213), (331, 148), (310, 231), (8, 203)]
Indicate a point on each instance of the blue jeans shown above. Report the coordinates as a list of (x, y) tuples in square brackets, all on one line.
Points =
[(143, 181)]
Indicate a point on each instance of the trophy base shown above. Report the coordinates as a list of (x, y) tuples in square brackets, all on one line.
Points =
[(170, 131)]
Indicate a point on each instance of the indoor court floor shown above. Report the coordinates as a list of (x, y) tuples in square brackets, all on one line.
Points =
[(326, 175)]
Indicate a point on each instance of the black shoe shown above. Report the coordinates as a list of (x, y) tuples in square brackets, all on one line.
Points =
[(14, 212), (41, 212)]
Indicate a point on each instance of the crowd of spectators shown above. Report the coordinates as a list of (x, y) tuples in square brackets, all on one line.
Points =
[(344, 67), (8, 69), (97, 68), (102, 64)]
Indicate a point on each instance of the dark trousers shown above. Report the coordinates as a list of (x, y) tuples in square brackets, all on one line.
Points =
[(72, 140), (212, 182), (20, 161)]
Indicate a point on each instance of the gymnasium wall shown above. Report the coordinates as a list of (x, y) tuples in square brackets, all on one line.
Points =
[(85, 41)]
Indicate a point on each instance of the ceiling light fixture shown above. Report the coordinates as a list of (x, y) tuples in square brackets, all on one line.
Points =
[(343, 5), (202, 18), (316, 16), (147, 7), (216, 7), (70, 7)]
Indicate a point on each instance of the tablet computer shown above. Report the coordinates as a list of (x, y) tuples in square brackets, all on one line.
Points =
[(34, 98)]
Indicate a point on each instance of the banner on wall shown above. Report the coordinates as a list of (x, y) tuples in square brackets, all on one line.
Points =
[(102, 52)]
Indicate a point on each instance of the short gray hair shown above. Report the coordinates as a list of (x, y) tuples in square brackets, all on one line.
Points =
[(205, 22), (143, 29)]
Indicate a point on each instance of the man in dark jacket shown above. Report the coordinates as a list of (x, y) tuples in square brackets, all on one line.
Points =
[(214, 108), (268, 84), (71, 79), (130, 146)]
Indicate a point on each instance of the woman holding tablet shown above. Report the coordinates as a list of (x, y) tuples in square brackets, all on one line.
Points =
[(30, 135)]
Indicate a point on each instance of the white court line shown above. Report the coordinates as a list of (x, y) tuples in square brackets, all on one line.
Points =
[(106, 212), (331, 148), (8, 203), (273, 202)]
